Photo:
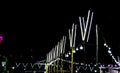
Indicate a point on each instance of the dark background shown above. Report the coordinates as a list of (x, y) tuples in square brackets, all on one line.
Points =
[(34, 28)]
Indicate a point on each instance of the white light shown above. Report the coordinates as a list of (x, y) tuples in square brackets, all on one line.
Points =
[(109, 65), (3, 63), (113, 57), (82, 63), (118, 64), (24, 69), (76, 71), (74, 51), (111, 54), (105, 44), (66, 55), (109, 48), (88, 64), (109, 51), (77, 49), (69, 53), (95, 70), (13, 67), (81, 47)]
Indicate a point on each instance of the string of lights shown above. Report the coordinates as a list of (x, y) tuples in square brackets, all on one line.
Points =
[(109, 50)]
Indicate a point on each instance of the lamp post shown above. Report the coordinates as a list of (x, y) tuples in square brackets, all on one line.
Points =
[(72, 38), (96, 44)]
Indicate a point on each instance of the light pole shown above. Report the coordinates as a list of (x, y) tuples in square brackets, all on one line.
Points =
[(96, 44), (72, 38)]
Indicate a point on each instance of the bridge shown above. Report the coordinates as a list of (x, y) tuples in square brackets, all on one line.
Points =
[(67, 58), (63, 59)]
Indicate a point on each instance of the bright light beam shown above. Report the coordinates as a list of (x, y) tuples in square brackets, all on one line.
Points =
[(75, 35), (86, 25), (81, 28), (70, 38), (83, 23), (90, 27)]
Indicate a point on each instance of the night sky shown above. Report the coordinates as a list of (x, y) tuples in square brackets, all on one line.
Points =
[(34, 28)]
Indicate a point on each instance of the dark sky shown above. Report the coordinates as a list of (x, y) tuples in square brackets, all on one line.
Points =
[(35, 27)]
